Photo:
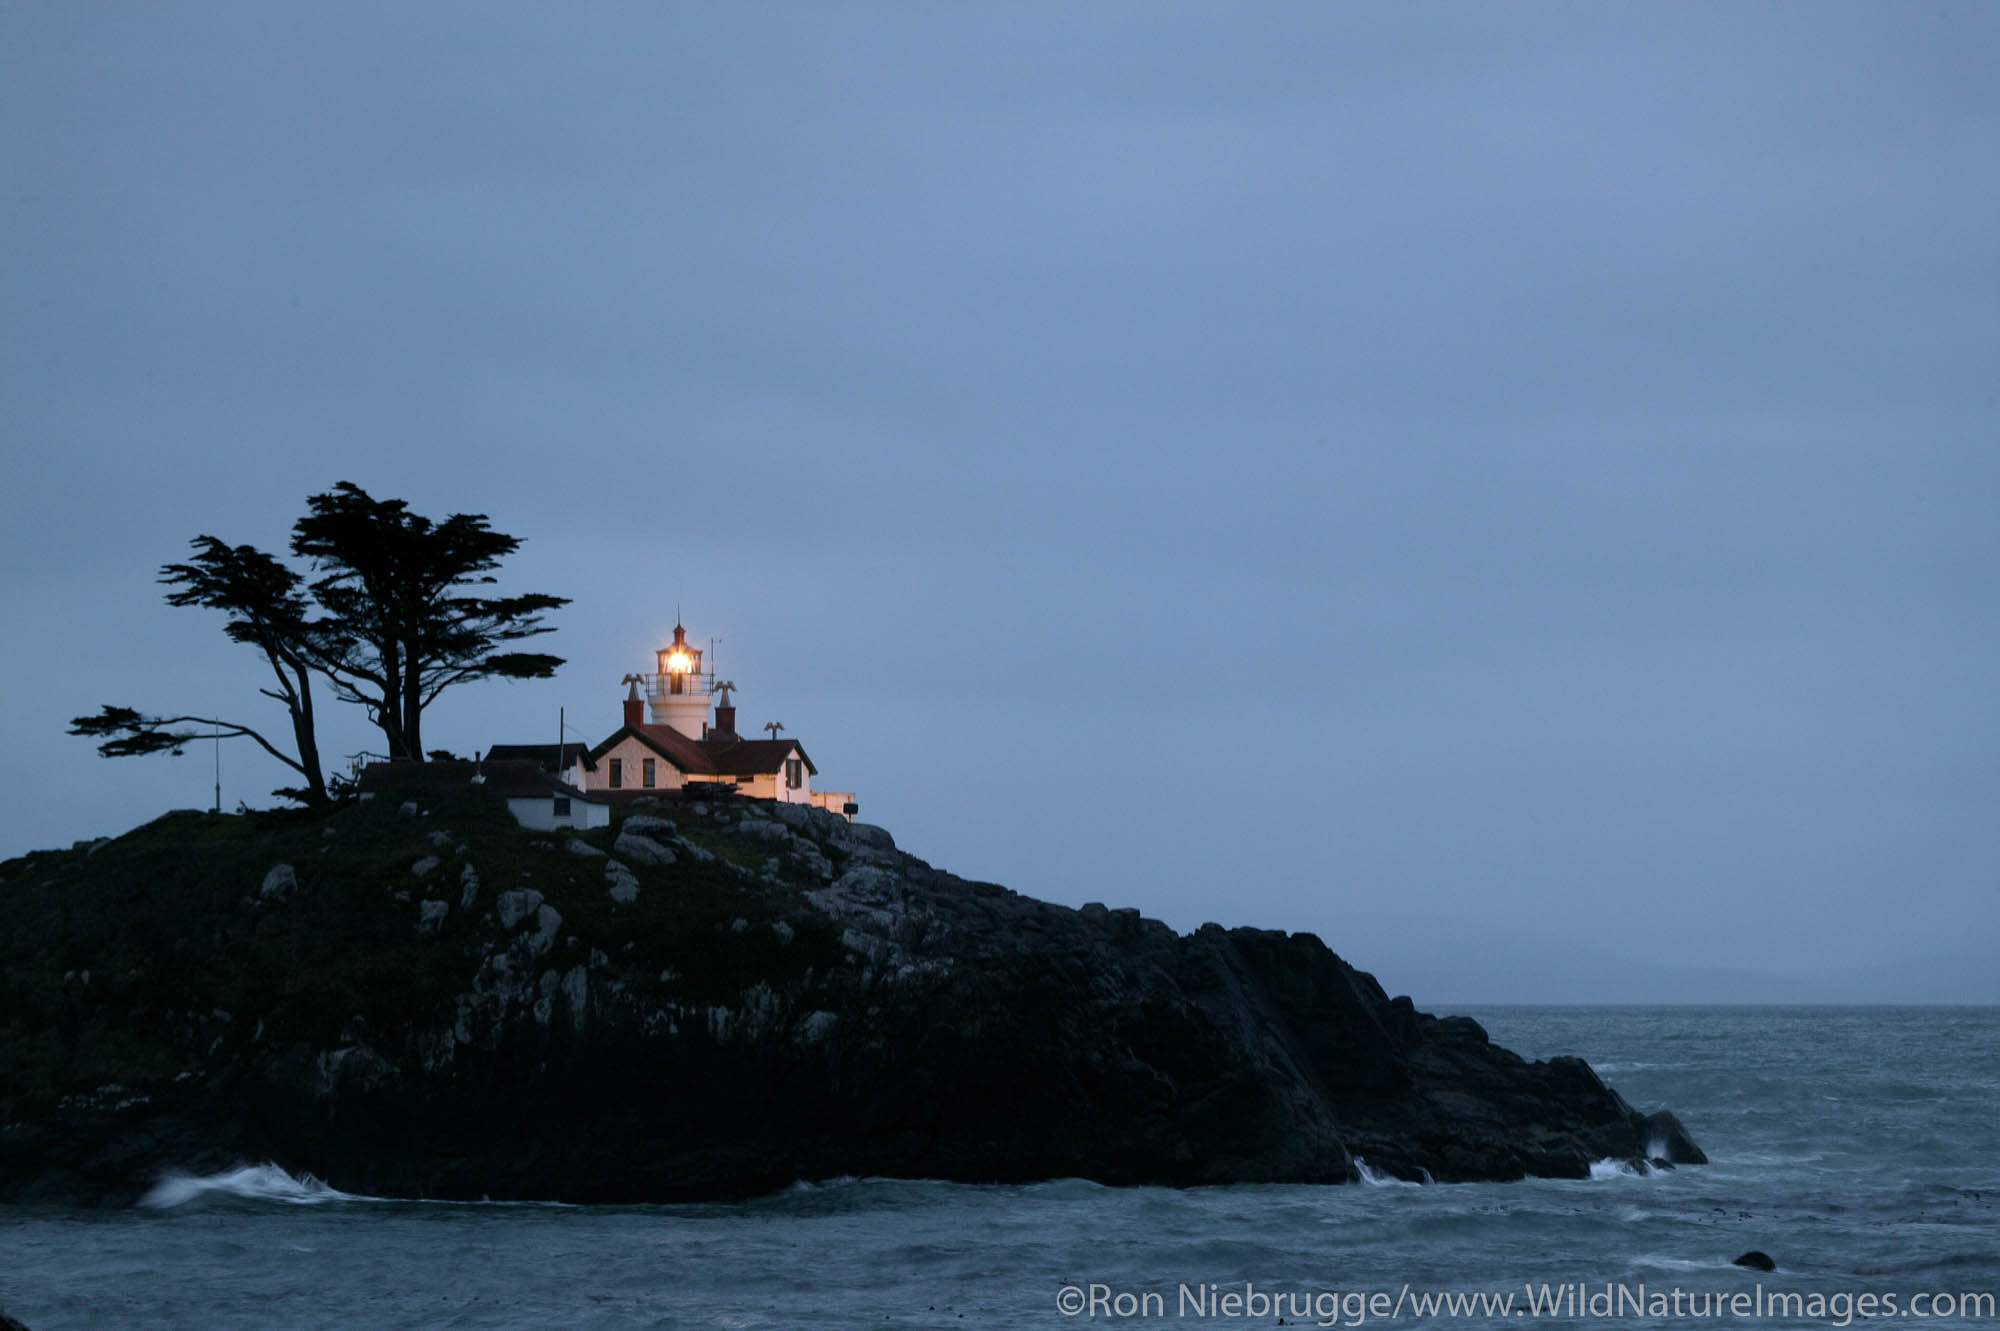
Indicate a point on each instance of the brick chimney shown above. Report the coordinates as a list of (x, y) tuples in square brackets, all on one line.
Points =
[(725, 722), (635, 707)]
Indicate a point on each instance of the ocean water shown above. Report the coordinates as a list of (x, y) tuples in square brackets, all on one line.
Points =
[(1859, 1147)]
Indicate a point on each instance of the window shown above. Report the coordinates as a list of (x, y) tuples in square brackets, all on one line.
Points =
[(617, 773), (795, 773), (646, 773), (562, 806)]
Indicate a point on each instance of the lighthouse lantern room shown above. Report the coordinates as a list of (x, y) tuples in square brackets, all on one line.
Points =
[(677, 694)]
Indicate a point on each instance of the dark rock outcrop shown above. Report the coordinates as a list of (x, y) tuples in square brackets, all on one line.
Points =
[(802, 1000), (1756, 1261)]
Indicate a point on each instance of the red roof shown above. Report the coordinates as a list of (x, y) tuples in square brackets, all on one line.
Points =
[(716, 755), (753, 757), (669, 743)]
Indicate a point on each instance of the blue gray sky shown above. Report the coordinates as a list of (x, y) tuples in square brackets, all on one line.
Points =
[(1514, 490)]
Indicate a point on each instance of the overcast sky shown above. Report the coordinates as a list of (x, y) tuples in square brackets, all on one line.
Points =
[(1514, 490)]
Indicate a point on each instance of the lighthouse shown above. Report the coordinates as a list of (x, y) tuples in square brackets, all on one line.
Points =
[(666, 747), (677, 693)]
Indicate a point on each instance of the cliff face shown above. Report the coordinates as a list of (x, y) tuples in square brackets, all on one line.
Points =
[(414, 997)]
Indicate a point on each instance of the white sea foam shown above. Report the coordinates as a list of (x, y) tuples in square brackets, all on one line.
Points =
[(1609, 1168), (261, 1183), (1662, 1262), (1376, 1179)]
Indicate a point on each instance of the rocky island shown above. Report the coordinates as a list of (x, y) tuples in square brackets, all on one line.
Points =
[(411, 995)]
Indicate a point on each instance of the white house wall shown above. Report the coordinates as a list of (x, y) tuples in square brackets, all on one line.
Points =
[(803, 795), (538, 812), (632, 755), (771, 785)]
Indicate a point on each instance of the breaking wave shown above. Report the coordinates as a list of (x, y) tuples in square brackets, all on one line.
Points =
[(1375, 1178), (257, 1183)]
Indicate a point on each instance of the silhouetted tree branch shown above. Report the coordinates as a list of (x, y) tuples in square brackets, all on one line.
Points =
[(127, 733), (399, 626), (268, 610)]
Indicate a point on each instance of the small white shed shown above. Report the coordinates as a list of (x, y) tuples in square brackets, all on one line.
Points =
[(538, 800)]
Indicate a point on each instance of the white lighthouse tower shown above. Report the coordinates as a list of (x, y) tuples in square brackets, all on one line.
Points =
[(677, 694)]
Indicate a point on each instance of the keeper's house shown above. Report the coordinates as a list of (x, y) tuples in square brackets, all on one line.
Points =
[(668, 743)]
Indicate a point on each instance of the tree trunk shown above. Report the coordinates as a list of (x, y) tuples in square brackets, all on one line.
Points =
[(413, 710), (391, 723), (308, 742), (390, 715)]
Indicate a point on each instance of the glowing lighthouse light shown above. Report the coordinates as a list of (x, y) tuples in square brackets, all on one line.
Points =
[(680, 663), (678, 692)]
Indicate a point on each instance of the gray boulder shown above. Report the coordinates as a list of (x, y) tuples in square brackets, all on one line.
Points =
[(548, 923), (649, 826), (279, 884), (871, 836), (430, 915), (809, 855), (624, 885), (800, 816), (515, 906), (643, 849), (692, 851), (764, 829)]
